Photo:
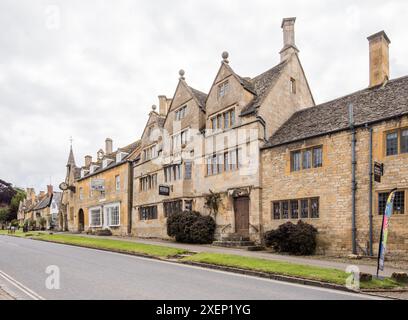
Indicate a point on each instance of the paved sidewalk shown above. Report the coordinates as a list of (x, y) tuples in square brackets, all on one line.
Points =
[(312, 261)]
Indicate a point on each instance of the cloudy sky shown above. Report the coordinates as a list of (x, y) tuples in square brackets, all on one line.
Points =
[(92, 69)]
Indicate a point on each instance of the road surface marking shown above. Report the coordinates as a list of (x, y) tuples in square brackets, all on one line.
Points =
[(281, 282), (334, 291), (20, 286)]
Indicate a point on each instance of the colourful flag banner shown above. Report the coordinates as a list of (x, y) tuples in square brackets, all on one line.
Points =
[(389, 208)]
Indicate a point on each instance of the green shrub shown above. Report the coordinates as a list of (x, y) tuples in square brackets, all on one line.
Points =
[(191, 227), (297, 239)]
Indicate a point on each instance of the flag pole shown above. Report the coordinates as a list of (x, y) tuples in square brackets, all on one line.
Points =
[(380, 245)]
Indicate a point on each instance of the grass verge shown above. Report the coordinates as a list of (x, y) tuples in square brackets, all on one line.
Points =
[(328, 275), (105, 244)]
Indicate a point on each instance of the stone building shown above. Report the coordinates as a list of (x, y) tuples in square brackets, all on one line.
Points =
[(98, 195), (211, 142), (45, 205), (272, 155), (307, 164)]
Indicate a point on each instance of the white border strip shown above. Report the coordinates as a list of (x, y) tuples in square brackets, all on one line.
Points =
[(21, 287)]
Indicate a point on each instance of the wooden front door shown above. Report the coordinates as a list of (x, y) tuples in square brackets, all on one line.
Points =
[(241, 209)]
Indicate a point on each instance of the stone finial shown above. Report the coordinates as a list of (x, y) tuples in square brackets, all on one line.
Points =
[(181, 74), (225, 56), (154, 107)]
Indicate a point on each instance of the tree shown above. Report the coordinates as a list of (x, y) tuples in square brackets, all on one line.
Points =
[(3, 215), (6, 192)]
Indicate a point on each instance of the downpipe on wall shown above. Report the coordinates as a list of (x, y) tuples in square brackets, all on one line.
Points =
[(370, 190), (353, 178)]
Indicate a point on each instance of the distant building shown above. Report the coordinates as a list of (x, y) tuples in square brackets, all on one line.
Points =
[(98, 194)]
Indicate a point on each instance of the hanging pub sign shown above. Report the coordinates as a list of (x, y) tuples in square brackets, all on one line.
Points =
[(164, 190), (98, 184), (378, 171)]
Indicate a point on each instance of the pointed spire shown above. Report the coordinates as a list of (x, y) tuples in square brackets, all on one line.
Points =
[(71, 159)]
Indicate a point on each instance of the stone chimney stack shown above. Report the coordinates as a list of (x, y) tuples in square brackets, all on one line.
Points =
[(108, 145), (49, 189), (289, 46), (163, 105), (379, 58), (88, 160)]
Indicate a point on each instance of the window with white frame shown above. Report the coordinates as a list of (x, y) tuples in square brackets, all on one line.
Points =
[(81, 193), (95, 217), (112, 214), (117, 183)]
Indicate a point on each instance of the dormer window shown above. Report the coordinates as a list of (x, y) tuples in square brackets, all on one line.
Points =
[(223, 89), (292, 86), (181, 113), (94, 168), (84, 172), (120, 156), (106, 162)]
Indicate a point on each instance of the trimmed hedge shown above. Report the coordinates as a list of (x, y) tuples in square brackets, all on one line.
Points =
[(191, 227), (297, 239)]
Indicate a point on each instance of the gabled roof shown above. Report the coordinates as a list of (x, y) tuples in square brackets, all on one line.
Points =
[(261, 84), (370, 105), (200, 97)]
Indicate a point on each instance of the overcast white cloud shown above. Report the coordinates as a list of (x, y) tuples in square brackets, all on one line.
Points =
[(92, 69)]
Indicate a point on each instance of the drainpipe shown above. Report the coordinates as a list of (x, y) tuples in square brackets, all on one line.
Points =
[(353, 179), (370, 191)]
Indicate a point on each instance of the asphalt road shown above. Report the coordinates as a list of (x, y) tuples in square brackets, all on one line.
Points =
[(93, 274)]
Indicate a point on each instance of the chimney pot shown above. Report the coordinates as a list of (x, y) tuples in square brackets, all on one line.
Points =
[(88, 160), (379, 58), (108, 145)]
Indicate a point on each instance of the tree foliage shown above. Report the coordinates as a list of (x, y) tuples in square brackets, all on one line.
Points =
[(7, 192)]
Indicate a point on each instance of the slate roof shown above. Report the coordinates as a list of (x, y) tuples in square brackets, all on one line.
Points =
[(45, 202), (370, 105), (200, 96), (261, 85), (129, 149)]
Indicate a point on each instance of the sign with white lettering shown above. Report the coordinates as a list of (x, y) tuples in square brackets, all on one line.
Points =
[(378, 171), (164, 190), (98, 184)]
